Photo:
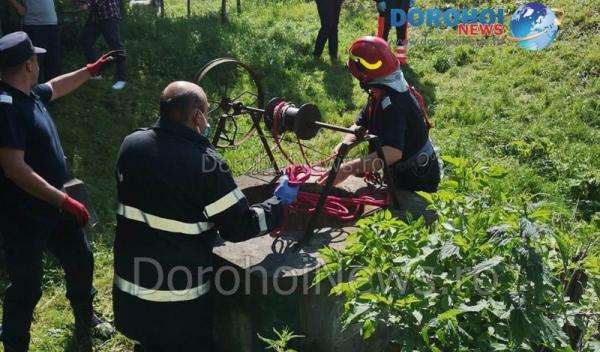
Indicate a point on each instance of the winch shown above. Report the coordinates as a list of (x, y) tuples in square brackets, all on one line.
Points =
[(242, 113)]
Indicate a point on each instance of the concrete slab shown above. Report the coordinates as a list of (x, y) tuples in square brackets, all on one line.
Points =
[(273, 277)]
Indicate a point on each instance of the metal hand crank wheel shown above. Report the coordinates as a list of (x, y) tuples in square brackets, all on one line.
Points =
[(229, 84)]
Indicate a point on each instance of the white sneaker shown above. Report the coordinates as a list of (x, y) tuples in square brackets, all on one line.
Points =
[(96, 78), (119, 85)]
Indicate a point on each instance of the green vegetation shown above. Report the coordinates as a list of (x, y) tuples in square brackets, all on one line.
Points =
[(281, 341), (492, 274), (536, 114)]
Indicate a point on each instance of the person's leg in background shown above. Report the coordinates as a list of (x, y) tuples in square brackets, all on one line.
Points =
[(324, 8), (39, 37), (53, 63), (110, 32), (91, 32), (402, 33), (387, 19), (333, 30), (24, 243), (402, 30)]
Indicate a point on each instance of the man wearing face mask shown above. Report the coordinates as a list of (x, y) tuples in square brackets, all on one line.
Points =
[(175, 195)]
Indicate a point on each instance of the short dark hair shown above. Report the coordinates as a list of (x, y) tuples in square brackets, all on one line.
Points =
[(8, 70), (178, 107)]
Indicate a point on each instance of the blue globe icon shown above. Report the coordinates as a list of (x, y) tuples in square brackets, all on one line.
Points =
[(534, 26)]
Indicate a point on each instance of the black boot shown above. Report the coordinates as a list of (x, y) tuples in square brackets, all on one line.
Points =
[(88, 324)]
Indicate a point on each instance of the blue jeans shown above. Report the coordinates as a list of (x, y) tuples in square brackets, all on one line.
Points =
[(109, 29)]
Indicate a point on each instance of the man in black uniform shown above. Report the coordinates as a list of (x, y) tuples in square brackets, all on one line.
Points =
[(35, 213), (393, 114), (175, 194)]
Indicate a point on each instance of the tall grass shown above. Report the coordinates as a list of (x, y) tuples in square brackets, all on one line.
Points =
[(535, 113)]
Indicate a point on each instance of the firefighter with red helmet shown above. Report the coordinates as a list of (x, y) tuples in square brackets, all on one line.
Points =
[(392, 113)]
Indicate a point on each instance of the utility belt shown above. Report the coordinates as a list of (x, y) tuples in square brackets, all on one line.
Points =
[(421, 159)]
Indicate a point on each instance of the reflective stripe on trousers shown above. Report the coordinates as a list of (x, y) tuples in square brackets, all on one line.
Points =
[(160, 295)]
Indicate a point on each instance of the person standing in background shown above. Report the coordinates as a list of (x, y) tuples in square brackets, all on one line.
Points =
[(41, 25), (103, 19), (329, 14), (384, 7)]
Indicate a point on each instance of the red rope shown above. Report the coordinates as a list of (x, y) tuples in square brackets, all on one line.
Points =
[(275, 129), (342, 208)]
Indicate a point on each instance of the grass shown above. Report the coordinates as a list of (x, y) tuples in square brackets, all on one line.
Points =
[(537, 113)]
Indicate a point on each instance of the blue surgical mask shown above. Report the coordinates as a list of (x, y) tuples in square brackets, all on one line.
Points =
[(206, 131)]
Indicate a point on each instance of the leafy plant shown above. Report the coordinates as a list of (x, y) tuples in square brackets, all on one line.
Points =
[(282, 340), (490, 275)]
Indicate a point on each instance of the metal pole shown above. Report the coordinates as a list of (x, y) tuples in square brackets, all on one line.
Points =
[(333, 127), (312, 222), (223, 11), (263, 139)]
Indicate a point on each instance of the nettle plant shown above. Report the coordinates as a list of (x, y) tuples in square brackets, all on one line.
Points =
[(495, 272)]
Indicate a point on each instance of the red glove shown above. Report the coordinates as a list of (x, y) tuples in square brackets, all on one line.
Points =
[(76, 209), (95, 68)]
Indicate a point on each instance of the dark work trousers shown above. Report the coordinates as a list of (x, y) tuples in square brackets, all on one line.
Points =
[(47, 37), (109, 29), (165, 326), (26, 237), (400, 31), (329, 14)]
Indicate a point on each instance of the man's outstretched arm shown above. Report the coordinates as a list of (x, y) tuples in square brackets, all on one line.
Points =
[(65, 84)]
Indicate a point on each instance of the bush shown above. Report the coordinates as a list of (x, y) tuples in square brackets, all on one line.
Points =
[(441, 64), (493, 273)]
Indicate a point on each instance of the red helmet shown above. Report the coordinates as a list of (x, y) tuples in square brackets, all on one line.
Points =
[(371, 58)]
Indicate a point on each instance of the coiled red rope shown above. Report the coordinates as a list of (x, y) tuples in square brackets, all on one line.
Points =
[(342, 208)]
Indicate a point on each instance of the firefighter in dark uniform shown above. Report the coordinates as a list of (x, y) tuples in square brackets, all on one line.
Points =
[(394, 115), (175, 194), (35, 213)]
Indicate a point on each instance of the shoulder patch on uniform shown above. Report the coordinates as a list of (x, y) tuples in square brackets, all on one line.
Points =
[(214, 154), (386, 102), (6, 99)]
